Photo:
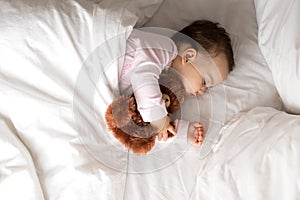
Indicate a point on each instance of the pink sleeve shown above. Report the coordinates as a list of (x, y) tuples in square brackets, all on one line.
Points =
[(153, 54)]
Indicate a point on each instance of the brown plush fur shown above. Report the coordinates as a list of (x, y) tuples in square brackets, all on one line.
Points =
[(125, 122)]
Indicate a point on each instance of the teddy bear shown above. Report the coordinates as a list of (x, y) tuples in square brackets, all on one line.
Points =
[(126, 124)]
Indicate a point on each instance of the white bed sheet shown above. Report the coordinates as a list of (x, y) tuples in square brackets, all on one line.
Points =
[(256, 158), (17, 170), (44, 46)]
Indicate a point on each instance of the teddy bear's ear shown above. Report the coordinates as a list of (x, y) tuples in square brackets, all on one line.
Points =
[(171, 84), (117, 113)]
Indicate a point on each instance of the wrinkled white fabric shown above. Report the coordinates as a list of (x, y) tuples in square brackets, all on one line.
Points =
[(279, 40), (43, 45), (18, 178), (257, 157)]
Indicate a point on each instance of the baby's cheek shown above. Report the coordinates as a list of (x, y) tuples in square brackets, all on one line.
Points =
[(187, 86)]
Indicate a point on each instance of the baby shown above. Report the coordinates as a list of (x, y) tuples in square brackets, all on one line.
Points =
[(202, 55)]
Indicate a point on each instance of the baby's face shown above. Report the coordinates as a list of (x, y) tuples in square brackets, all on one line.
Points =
[(200, 73)]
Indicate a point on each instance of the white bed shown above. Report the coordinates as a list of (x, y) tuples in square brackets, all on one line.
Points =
[(53, 139)]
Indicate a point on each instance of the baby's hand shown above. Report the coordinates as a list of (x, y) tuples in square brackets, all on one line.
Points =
[(163, 126), (195, 133)]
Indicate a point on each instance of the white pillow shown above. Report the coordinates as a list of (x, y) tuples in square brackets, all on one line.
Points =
[(249, 85), (144, 10), (279, 41)]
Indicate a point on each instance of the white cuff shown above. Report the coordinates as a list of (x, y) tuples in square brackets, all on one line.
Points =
[(182, 131)]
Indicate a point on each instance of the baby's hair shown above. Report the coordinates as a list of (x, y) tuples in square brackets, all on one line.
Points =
[(210, 35)]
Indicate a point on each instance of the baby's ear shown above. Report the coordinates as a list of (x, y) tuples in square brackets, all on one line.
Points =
[(189, 54)]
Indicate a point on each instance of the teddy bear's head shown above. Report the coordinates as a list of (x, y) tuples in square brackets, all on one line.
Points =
[(126, 124)]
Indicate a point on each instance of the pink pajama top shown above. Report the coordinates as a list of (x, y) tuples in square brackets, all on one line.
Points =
[(147, 55)]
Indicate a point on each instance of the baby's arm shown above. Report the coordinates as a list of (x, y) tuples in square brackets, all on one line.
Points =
[(153, 54), (151, 105)]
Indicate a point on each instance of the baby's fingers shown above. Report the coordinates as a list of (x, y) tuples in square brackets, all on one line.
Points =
[(165, 136), (198, 138), (197, 125), (160, 136)]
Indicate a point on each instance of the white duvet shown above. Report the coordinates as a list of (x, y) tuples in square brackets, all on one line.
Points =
[(53, 141)]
